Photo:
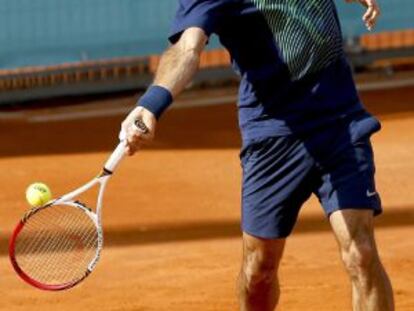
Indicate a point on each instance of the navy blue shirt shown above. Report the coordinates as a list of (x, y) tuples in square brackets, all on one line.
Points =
[(289, 55)]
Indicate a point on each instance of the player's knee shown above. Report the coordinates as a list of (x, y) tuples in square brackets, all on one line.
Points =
[(259, 272), (359, 257)]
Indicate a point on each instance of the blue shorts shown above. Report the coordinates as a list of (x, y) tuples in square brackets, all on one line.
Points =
[(281, 173)]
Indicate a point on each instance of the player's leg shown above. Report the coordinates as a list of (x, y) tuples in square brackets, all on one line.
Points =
[(348, 194), (258, 282), (371, 287), (276, 182)]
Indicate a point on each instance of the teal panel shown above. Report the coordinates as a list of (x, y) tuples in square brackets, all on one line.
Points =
[(45, 32), (396, 14), (55, 31)]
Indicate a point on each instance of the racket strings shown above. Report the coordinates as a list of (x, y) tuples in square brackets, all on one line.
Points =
[(57, 245), (60, 244)]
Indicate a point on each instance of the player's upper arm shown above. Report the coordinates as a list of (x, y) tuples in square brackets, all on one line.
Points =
[(204, 15)]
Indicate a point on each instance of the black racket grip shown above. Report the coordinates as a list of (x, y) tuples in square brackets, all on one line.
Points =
[(141, 126)]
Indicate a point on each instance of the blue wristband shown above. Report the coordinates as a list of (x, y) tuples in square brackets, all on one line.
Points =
[(156, 99)]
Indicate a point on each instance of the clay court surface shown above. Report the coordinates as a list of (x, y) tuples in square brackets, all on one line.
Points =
[(171, 213)]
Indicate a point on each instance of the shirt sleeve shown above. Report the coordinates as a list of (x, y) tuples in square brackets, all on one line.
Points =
[(205, 14)]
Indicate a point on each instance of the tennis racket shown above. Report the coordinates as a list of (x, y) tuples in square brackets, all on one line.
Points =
[(56, 246)]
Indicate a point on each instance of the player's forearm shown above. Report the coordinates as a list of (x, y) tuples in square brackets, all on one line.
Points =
[(177, 67)]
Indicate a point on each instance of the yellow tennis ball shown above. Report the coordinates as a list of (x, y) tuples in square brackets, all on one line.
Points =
[(38, 194)]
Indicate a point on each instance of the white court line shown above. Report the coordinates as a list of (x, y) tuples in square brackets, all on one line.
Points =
[(373, 86), (6, 116), (105, 112), (187, 103), (78, 115)]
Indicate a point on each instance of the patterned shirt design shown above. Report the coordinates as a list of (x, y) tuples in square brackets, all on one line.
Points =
[(307, 33)]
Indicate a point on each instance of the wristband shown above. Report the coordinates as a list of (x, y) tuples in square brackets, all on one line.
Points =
[(156, 99)]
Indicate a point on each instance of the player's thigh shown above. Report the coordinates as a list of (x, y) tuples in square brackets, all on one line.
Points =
[(353, 226), (354, 231), (261, 254)]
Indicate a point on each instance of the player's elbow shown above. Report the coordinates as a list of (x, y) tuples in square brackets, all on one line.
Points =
[(191, 43)]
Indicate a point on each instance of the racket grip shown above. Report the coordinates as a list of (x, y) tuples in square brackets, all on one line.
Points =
[(115, 157)]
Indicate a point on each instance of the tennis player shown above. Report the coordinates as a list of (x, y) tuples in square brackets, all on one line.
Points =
[(303, 126)]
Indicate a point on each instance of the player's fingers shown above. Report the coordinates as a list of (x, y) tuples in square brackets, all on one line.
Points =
[(130, 131), (134, 136), (376, 14), (137, 129), (140, 137), (131, 149), (374, 19), (128, 150), (368, 13), (371, 14), (133, 142)]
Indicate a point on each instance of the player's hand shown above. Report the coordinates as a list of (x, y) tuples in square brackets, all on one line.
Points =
[(136, 136), (371, 15)]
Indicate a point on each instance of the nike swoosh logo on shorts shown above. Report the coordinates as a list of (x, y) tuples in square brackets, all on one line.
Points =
[(371, 194)]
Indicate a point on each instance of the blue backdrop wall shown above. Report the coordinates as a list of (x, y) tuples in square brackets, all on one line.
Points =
[(45, 32)]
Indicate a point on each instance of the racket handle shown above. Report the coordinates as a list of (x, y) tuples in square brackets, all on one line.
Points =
[(115, 157)]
